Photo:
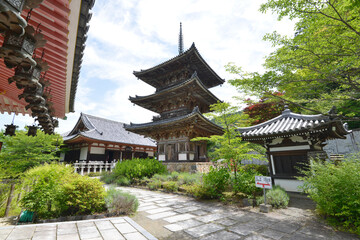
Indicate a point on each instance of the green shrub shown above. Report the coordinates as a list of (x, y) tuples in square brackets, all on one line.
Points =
[(173, 176), (154, 184), (214, 183), (245, 183), (276, 197), (170, 186), (160, 177), (107, 177), (44, 184), (94, 174), (189, 178), (118, 202), (336, 190), (82, 195), (55, 190), (136, 169), (197, 190), (262, 169), (122, 181)]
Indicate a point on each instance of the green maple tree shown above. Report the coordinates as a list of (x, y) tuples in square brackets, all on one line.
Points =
[(22, 152), (317, 68)]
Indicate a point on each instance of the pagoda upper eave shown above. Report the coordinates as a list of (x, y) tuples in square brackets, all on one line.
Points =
[(191, 87), (190, 57), (194, 119)]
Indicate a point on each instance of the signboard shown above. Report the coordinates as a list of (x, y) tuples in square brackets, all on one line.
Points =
[(263, 182)]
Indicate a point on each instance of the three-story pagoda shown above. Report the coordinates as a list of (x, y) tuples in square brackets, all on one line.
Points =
[(180, 98)]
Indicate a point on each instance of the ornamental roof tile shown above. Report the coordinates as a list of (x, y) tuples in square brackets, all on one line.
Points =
[(106, 130)]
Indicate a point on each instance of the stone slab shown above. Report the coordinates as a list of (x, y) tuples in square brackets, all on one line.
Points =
[(179, 218), (204, 229), (134, 236), (111, 234), (222, 235), (124, 228), (103, 225), (161, 215), (159, 210), (246, 229)]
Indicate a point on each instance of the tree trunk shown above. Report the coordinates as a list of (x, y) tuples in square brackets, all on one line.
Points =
[(8, 204)]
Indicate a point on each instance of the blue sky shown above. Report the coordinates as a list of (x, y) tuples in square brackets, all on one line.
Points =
[(127, 36)]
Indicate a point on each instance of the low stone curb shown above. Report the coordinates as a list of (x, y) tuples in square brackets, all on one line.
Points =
[(72, 218)]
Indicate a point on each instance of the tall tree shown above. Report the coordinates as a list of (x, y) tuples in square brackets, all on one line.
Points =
[(22, 152), (317, 68), (229, 146)]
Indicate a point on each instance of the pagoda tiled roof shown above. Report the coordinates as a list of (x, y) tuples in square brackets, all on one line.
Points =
[(190, 56), (194, 115), (149, 101), (106, 130), (289, 124)]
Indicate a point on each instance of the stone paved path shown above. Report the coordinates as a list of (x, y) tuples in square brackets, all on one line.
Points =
[(119, 228), (182, 217)]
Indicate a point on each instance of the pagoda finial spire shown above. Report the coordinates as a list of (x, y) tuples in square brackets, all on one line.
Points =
[(181, 41)]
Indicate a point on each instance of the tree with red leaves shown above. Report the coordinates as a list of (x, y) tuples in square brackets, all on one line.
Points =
[(264, 109)]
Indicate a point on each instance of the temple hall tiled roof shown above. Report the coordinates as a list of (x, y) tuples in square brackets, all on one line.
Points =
[(106, 130), (289, 123)]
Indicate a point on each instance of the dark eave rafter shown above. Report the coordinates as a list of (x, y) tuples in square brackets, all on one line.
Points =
[(194, 117), (197, 88)]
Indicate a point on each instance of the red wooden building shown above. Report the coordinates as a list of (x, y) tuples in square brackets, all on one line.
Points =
[(182, 95)]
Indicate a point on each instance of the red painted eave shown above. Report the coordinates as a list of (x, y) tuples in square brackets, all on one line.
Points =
[(54, 18)]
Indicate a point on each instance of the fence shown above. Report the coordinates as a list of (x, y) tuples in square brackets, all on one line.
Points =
[(93, 166)]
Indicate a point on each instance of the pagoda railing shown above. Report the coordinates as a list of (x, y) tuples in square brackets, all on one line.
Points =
[(83, 167)]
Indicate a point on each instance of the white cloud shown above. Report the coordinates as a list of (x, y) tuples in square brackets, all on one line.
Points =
[(131, 35)]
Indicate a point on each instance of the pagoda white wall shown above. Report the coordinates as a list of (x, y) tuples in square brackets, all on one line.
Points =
[(290, 185)]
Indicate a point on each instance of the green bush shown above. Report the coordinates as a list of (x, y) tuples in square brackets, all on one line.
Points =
[(160, 177), (107, 177), (55, 190), (136, 169), (245, 183), (82, 195), (189, 178), (170, 186), (276, 197), (94, 174), (262, 169), (118, 202), (45, 189), (154, 184), (173, 176), (336, 190), (122, 181), (214, 183)]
